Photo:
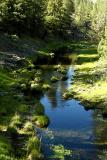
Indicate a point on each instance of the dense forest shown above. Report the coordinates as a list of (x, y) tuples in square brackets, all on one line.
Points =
[(53, 79), (45, 17)]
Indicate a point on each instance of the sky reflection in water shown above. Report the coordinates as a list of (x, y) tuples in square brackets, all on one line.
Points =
[(70, 124)]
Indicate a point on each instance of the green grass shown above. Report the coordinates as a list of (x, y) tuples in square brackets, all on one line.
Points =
[(88, 85), (6, 81), (6, 151)]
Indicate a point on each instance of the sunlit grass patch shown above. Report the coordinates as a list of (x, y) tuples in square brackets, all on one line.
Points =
[(89, 85), (93, 93), (86, 66), (88, 55)]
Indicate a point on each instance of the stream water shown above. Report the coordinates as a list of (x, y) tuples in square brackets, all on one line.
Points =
[(71, 125)]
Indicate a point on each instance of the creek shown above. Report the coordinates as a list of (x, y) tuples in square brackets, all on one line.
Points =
[(71, 126)]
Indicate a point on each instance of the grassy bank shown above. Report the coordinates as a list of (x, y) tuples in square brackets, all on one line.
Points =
[(89, 85), (21, 85)]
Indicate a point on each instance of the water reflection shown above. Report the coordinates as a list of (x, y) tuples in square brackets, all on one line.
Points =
[(71, 125), (65, 59), (100, 128)]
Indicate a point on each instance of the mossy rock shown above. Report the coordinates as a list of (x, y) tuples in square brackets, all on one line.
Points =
[(67, 95), (54, 79), (46, 86), (28, 126), (41, 121), (16, 121), (37, 79), (35, 87)]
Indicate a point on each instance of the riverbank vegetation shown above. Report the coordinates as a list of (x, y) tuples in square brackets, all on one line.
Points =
[(89, 82), (38, 32)]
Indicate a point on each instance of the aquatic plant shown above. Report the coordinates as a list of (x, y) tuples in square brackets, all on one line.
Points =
[(59, 152)]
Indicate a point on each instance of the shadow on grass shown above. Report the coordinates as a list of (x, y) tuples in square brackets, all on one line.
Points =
[(82, 60), (87, 78)]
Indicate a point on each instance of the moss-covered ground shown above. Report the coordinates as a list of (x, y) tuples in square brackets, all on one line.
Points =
[(20, 88)]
